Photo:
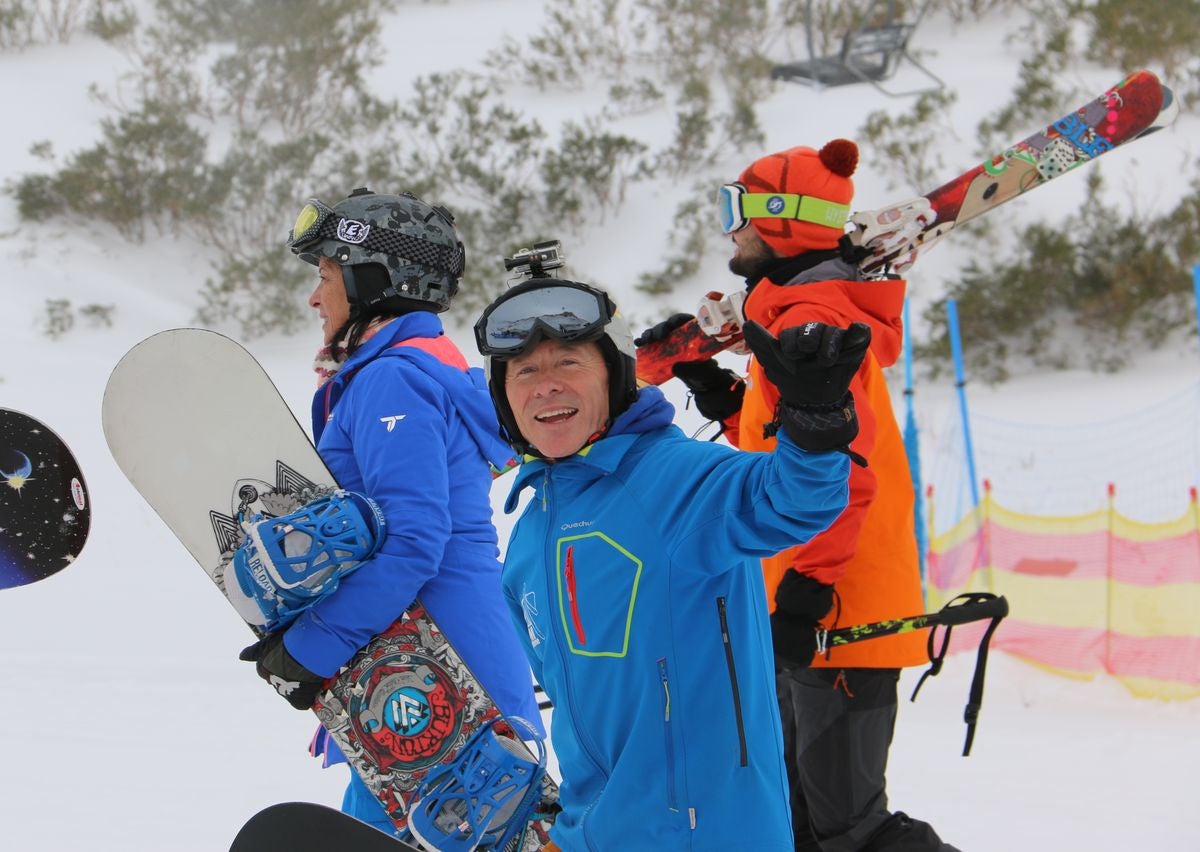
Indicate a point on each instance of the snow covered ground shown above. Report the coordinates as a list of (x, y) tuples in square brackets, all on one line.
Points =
[(130, 725)]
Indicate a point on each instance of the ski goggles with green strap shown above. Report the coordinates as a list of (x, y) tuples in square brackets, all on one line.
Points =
[(566, 311), (317, 221), (737, 207)]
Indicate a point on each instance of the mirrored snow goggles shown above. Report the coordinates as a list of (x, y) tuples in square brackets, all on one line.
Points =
[(566, 311), (317, 221), (737, 207)]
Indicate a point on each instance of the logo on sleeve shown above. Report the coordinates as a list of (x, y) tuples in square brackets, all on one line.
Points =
[(392, 421), (530, 610)]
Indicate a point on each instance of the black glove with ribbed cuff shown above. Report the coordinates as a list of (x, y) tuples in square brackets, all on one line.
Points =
[(812, 365), (281, 670), (800, 604)]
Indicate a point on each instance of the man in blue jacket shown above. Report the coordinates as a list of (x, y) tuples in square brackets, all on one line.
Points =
[(633, 573), (399, 417)]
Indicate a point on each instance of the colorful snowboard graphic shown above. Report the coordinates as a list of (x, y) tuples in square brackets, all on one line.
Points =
[(200, 430), (45, 509)]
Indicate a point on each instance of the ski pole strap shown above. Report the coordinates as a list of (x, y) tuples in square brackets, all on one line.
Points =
[(972, 606)]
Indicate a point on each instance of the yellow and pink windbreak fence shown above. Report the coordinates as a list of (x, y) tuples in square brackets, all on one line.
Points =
[(1087, 593)]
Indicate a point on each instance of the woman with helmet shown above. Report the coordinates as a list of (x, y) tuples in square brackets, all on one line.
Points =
[(398, 416), (632, 573)]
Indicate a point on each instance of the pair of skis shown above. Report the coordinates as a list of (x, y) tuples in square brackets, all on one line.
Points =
[(891, 238)]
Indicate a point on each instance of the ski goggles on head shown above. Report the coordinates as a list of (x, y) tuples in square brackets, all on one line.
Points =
[(566, 311), (736, 207), (317, 221), (311, 225)]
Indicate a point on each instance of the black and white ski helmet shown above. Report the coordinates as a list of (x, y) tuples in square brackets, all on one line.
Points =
[(503, 332), (396, 251)]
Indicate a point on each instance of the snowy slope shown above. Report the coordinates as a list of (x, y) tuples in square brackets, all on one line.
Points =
[(131, 725)]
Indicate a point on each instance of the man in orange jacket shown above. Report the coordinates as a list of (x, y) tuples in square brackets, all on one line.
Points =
[(786, 215)]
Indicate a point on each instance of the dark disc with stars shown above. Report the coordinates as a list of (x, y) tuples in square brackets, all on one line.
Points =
[(45, 508)]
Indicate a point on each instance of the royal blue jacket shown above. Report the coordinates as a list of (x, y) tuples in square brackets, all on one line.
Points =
[(634, 579), (416, 435)]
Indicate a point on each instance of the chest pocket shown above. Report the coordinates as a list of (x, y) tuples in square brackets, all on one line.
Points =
[(597, 585)]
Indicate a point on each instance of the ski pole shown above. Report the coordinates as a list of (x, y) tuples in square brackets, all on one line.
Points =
[(975, 606), (968, 607)]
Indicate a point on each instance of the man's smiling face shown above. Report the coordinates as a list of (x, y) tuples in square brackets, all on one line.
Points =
[(558, 393)]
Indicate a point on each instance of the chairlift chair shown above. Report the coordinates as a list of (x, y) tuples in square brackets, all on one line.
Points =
[(869, 54)]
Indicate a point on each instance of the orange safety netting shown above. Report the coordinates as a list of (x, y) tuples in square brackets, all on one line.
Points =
[(1087, 593)]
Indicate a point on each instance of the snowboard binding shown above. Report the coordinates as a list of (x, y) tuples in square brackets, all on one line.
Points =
[(484, 797), (286, 564)]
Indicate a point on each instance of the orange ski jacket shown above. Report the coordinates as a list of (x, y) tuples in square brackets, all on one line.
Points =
[(869, 554)]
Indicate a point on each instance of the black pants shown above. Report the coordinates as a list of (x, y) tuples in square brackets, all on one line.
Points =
[(837, 729)]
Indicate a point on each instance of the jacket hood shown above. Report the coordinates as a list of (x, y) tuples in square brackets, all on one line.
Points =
[(649, 411), (879, 303), (468, 388)]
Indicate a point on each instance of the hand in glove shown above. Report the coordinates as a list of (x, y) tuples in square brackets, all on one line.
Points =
[(800, 604), (280, 669), (718, 392), (660, 332), (812, 366)]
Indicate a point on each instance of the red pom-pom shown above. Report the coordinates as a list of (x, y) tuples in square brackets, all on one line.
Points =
[(840, 156)]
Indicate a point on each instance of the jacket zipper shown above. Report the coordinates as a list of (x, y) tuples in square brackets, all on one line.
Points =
[(569, 570), (558, 635), (733, 682), (666, 685)]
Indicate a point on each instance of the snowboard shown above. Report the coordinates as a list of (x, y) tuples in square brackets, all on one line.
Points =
[(45, 512), (1132, 109), (308, 827), (200, 430)]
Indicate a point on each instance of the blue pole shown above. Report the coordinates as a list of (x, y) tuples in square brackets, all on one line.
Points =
[(1196, 289), (912, 448), (960, 382)]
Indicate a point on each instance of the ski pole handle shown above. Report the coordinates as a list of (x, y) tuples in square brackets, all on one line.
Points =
[(976, 606)]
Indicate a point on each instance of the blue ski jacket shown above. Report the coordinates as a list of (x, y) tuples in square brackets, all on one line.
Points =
[(634, 579), (416, 435)]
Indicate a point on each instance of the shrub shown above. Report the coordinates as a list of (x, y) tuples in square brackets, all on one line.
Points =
[(1091, 291), (59, 316), (909, 145)]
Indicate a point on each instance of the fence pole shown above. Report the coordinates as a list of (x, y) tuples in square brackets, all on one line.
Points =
[(1108, 574), (985, 535)]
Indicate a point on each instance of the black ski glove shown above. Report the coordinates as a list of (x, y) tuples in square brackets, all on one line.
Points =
[(812, 365), (800, 604), (662, 331), (718, 392), (280, 669)]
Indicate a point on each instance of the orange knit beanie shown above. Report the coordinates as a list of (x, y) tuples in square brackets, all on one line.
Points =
[(823, 174)]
